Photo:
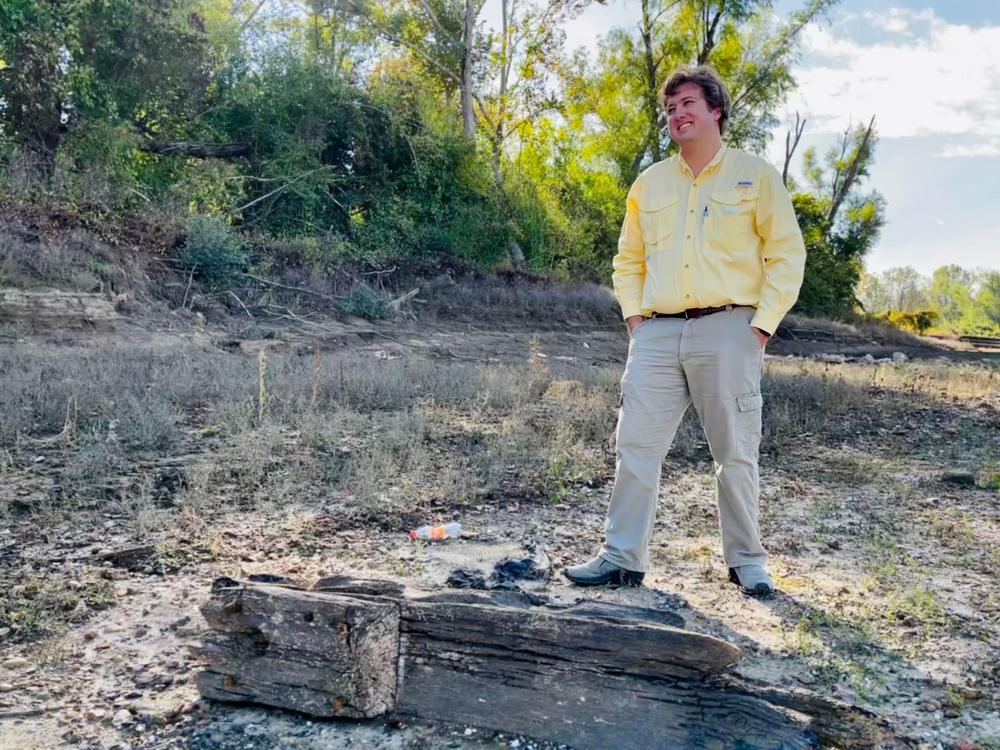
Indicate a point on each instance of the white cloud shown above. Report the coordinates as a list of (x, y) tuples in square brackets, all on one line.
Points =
[(895, 20), (925, 76), (983, 148), (898, 20)]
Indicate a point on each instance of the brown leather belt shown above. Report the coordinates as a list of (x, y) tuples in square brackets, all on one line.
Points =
[(694, 312)]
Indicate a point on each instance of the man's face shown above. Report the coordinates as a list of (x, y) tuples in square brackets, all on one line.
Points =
[(688, 116)]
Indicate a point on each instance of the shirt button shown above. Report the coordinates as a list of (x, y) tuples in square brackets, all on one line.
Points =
[(687, 265), (687, 296), (689, 236)]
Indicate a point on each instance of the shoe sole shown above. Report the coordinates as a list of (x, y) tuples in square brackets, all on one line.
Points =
[(630, 578), (760, 591)]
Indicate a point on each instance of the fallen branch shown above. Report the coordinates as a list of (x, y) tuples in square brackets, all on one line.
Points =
[(292, 316), (249, 315), (330, 297), (196, 150), (188, 288), (399, 301)]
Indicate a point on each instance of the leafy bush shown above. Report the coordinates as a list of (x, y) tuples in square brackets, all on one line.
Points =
[(211, 251), (918, 322), (365, 302)]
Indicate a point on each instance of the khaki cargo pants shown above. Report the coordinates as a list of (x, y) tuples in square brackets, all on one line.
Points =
[(714, 362)]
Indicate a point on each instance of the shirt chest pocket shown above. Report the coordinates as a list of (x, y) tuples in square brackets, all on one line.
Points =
[(657, 219), (731, 221)]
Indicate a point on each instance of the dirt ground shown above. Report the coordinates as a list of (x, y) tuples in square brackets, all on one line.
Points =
[(886, 565)]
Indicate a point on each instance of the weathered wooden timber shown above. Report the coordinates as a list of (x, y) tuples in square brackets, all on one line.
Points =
[(592, 676)]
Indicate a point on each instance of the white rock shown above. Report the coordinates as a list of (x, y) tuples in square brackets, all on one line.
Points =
[(899, 357), (122, 718), (837, 359), (15, 662)]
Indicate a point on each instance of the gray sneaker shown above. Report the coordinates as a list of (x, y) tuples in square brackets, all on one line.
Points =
[(599, 572), (752, 580)]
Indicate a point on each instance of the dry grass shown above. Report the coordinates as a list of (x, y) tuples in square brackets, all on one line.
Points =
[(331, 444), (845, 333), (377, 436), (377, 441)]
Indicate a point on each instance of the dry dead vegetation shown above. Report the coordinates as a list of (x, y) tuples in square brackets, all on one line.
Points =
[(880, 508)]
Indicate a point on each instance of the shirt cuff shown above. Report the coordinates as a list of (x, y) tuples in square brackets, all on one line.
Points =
[(631, 309), (766, 321)]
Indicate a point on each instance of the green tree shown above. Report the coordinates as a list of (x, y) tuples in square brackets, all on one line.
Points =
[(950, 294), (989, 297), (616, 102), (68, 63), (906, 288), (841, 223)]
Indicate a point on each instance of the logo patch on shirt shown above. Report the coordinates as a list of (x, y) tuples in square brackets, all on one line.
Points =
[(744, 183)]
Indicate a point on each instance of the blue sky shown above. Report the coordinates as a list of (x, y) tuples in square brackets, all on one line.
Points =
[(929, 70)]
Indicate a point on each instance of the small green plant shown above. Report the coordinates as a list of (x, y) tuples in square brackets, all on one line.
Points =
[(211, 252), (989, 477), (35, 605), (365, 302), (918, 606), (805, 639)]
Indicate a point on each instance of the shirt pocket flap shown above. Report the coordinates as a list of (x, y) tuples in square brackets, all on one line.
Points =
[(751, 402), (656, 216), (730, 196)]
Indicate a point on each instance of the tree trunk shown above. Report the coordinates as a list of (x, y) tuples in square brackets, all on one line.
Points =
[(468, 42), (34, 86), (514, 252), (590, 675), (652, 84), (197, 150)]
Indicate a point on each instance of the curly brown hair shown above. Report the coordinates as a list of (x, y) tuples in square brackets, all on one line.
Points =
[(705, 77)]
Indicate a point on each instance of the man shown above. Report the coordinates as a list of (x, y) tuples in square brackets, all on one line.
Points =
[(710, 259)]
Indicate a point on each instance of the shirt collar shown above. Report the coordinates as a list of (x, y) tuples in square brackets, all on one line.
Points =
[(716, 160)]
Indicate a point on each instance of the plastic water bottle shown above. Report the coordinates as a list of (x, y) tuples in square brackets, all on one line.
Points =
[(436, 533)]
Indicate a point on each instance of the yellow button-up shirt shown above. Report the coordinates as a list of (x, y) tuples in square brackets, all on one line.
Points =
[(726, 237)]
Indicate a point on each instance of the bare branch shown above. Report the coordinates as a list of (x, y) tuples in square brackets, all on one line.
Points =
[(332, 298), (379, 29), (709, 35), (252, 15), (483, 113), (793, 31), (437, 24), (233, 295), (285, 187), (790, 146), (666, 8), (850, 175)]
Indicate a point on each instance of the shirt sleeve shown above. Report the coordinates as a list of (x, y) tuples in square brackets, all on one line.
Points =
[(629, 264), (784, 252)]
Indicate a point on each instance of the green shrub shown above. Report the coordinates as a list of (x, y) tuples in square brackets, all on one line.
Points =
[(365, 302), (917, 322), (213, 253)]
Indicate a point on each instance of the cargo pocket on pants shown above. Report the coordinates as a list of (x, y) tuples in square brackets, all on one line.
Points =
[(748, 424)]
